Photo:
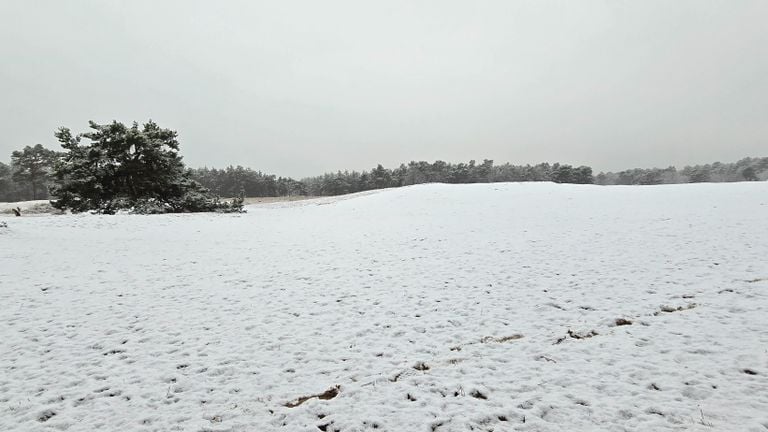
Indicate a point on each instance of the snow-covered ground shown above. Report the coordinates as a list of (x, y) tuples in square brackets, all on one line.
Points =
[(25, 206), (432, 308)]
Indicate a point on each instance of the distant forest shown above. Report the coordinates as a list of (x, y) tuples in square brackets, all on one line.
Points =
[(28, 176)]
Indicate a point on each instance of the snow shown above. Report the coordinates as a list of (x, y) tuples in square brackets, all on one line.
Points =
[(5, 207), (432, 308)]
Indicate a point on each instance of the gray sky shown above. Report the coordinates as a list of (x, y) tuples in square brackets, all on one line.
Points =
[(302, 87)]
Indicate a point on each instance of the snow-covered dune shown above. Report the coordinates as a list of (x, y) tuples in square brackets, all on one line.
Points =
[(531, 307)]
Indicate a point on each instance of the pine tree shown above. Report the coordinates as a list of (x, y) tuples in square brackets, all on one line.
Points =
[(749, 174), (122, 167), (32, 166)]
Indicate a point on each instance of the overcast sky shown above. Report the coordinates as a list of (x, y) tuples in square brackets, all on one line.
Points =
[(302, 87)]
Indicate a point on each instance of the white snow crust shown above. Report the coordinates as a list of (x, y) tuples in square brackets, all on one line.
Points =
[(436, 307)]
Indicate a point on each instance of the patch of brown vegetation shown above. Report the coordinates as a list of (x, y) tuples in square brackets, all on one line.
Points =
[(326, 395), (501, 339), (670, 309), (576, 335), (478, 395), (581, 335), (397, 376)]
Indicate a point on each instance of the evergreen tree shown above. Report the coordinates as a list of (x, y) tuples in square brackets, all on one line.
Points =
[(32, 167), (749, 174), (7, 185), (483, 173), (699, 174), (124, 167), (380, 177)]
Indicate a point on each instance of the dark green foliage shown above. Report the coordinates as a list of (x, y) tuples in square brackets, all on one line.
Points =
[(233, 181), (128, 168), (697, 174), (31, 168), (443, 172), (380, 178), (749, 174), (569, 174), (640, 177), (751, 169), (7, 185)]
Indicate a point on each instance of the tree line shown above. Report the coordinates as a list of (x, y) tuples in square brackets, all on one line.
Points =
[(343, 182), (747, 169), (237, 180), (115, 166)]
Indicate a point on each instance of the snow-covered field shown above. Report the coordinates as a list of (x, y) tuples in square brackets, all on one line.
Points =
[(426, 308)]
